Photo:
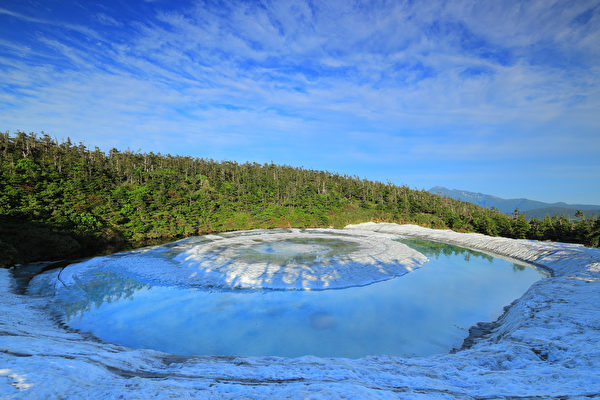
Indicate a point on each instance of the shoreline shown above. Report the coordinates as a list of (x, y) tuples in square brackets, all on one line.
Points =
[(546, 344)]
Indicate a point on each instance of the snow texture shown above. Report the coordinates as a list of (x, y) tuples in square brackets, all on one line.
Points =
[(294, 259), (546, 345)]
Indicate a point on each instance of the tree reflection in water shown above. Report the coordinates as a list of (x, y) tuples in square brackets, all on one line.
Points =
[(102, 287), (434, 249)]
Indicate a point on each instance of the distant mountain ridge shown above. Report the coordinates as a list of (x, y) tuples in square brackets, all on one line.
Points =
[(567, 212), (531, 208)]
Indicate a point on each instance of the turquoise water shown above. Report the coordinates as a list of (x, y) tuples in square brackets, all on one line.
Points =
[(305, 251), (424, 312)]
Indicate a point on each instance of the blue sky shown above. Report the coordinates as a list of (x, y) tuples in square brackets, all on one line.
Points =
[(500, 97)]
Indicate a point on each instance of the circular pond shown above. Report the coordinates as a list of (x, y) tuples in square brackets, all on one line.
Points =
[(328, 293)]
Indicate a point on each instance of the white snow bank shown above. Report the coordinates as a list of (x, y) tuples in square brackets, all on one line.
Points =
[(305, 259), (546, 345)]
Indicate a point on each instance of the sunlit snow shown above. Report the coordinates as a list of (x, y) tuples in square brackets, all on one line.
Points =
[(545, 345)]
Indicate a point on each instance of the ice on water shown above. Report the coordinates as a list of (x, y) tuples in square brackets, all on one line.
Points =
[(545, 346), (310, 259)]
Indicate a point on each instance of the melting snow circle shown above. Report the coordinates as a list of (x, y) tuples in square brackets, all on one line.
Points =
[(292, 259)]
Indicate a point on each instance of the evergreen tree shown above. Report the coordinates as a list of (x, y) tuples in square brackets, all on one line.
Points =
[(60, 199)]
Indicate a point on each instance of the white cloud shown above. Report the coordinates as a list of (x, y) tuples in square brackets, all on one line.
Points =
[(73, 27), (246, 74), (107, 20)]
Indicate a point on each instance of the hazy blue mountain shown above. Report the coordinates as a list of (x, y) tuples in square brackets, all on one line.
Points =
[(529, 207)]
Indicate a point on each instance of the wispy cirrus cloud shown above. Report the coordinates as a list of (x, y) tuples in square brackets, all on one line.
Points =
[(294, 81)]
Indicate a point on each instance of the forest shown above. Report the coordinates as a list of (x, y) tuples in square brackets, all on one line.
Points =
[(63, 200)]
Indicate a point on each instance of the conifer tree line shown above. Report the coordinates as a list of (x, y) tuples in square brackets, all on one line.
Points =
[(59, 199)]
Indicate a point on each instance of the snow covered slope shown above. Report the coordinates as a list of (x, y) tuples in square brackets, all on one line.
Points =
[(546, 345)]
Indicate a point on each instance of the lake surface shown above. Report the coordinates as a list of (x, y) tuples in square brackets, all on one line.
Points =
[(424, 312)]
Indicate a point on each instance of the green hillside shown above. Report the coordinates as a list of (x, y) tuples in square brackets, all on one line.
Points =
[(59, 199)]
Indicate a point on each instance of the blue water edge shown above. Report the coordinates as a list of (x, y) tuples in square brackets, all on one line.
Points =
[(424, 312)]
